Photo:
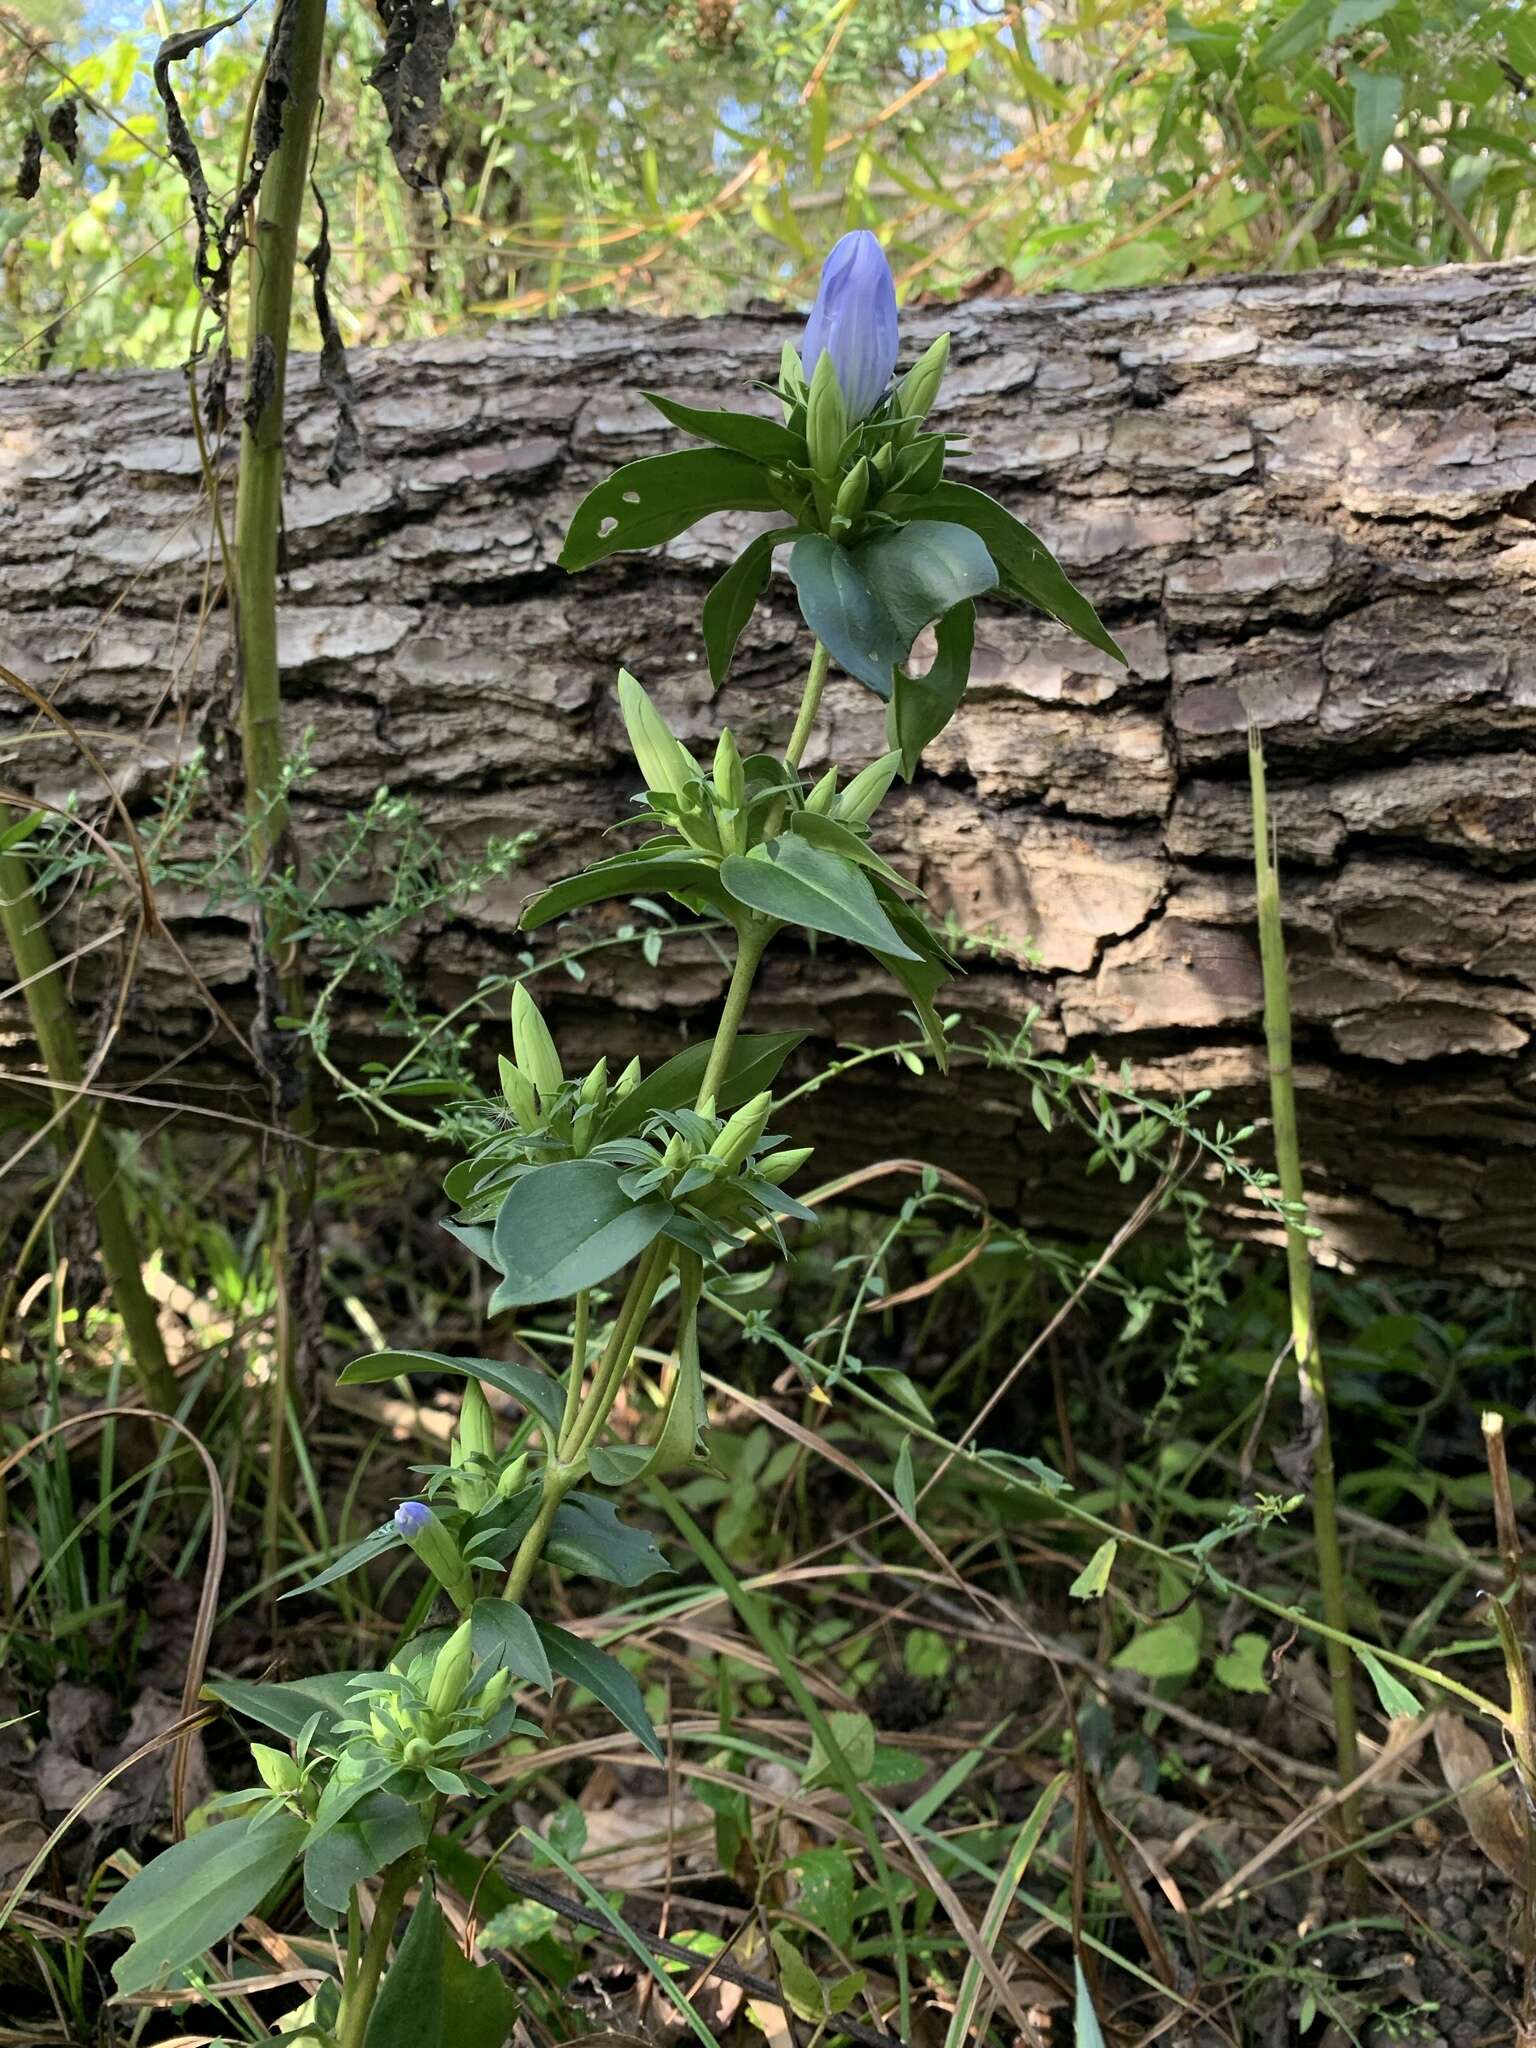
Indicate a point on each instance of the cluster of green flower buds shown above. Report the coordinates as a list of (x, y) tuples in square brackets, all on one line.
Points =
[(565, 1115), (425, 1715)]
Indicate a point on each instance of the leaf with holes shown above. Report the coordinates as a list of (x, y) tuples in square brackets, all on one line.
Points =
[(921, 706), (651, 501), (868, 604)]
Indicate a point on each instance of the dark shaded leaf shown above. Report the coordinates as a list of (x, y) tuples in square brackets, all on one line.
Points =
[(408, 78), (733, 599), (286, 1706), (587, 1536), (605, 1678), (529, 1387), (357, 1849), (433, 1996)]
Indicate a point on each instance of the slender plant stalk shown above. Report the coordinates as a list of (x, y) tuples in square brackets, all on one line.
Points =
[(810, 704), (1309, 1358), (752, 936), (364, 1988), (258, 530), (53, 1026)]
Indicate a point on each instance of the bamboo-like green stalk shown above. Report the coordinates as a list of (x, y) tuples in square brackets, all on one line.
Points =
[(53, 1026), (1310, 1367), (258, 530)]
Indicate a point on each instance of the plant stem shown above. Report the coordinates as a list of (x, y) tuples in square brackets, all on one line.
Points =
[(810, 704), (578, 1370), (1309, 1358), (564, 1468), (753, 934), (258, 531), (53, 1026), (365, 1985)]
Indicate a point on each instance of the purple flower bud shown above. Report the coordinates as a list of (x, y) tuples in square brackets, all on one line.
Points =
[(854, 322), (412, 1516)]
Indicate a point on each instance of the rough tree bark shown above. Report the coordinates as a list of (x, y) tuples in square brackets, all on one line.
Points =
[(1310, 498)]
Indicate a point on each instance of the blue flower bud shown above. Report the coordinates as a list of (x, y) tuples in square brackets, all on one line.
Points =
[(412, 1516), (854, 322)]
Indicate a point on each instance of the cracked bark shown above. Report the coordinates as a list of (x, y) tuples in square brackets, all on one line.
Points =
[(1311, 498)]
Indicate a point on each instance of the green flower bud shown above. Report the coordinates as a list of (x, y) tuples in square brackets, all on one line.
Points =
[(474, 1440), (826, 420), (493, 1692), (865, 794), (513, 1477), (279, 1772), (595, 1085), (919, 388), (437, 1551), (379, 1727), (742, 1131), (629, 1080), (791, 374), (534, 1047), (665, 762), (417, 1751), (853, 494), (520, 1094), (450, 1674), (824, 795), (730, 783), (779, 1166)]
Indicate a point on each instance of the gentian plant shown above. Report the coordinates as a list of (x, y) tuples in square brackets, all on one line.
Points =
[(621, 1193)]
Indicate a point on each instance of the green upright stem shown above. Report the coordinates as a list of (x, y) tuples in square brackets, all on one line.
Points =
[(53, 1026), (1309, 1358), (365, 1985), (810, 704), (752, 936), (258, 532)]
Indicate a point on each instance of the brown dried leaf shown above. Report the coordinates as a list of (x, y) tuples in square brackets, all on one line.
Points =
[(1487, 1807)]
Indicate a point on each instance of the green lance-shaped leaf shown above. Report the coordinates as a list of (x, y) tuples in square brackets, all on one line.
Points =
[(195, 1893), (733, 599), (833, 836), (801, 884), (674, 870), (1026, 567), (289, 1705), (648, 502), (566, 1227), (433, 1996), (921, 706), (755, 1059), (747, 433), (530, 1388), (868, 604), (605, 1678)]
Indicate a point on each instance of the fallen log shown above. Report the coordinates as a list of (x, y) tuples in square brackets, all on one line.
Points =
[(1311, 500)]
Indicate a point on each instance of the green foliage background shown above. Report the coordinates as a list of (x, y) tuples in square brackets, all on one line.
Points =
[(682, 156)]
